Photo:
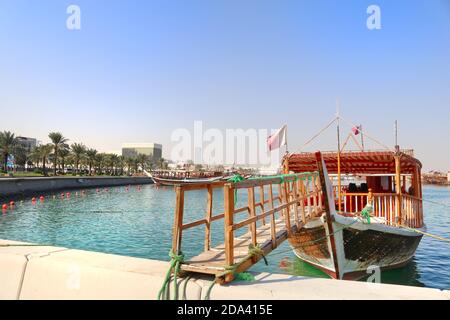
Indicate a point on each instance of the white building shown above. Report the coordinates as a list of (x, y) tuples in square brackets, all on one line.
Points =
[(152, 150)]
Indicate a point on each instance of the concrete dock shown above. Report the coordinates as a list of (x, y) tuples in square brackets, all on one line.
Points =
[(40, 272), (31, 186)]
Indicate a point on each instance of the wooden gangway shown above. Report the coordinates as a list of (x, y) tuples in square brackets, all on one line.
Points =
[(285, 203)]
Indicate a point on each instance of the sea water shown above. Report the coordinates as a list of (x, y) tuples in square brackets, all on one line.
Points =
[(137, 221)]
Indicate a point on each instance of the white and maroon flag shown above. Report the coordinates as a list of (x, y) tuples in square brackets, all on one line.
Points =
[(278, 139), (356, 130)]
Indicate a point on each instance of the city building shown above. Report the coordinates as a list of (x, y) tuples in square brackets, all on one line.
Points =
[(152, 150), (448, 177), (27, 143)]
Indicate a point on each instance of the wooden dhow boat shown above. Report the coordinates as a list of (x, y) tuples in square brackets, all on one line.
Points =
[(370, 221), (179, 177)]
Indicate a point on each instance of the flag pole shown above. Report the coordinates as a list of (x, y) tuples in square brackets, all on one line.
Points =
[(338, 156)]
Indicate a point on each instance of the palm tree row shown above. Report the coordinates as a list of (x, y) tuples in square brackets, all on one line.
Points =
[(81, 159)]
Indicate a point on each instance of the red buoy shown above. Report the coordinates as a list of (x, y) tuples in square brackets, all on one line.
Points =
[(33, 199), (12, 203), (62, 195), (4, 207), (41, 198)]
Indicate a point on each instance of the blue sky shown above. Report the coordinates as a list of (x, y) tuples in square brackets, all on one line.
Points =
[(137, 70)]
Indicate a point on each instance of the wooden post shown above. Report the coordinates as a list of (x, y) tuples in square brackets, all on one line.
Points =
[(287, 216), (273, 231), (286, 164), (302, 200), (252, 210), (208, 219), (296, 197), (261, 198), (177, 231), (398, 186), (228, 224)]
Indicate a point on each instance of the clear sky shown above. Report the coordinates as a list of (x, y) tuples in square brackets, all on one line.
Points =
[(137, 70)]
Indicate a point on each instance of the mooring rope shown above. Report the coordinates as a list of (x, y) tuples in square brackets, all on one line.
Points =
[(253, 251), (175, 265), (425, 233)]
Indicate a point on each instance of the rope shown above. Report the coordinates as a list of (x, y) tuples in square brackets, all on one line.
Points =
[(235, 179), (318, 134), (366, 135), (175, 264), (365, 213), (312, 241), (426, 233), (185, 287)]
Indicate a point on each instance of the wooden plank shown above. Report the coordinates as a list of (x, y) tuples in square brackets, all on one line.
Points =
[(251, 205), (208, 219), (272, 218), (228, 225), (178, 220), (193, 224), (261, 199)]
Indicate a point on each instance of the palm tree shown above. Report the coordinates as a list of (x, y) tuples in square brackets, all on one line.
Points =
[(44, 151), (8, 142), (99, 160), (91, 154), (35, 156), (64, 152), (162, 164), (114, 159), (121, 163), (59, 142), (142, 160), (130, 162), (78, 150)]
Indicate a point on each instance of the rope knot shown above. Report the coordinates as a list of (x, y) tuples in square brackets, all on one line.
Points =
[(179, 258), (257, 252)]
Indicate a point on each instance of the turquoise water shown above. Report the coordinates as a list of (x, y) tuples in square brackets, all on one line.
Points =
[(138, 222)]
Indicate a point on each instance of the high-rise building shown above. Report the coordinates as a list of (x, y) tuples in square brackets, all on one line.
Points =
[(152, 150), (27, 143)]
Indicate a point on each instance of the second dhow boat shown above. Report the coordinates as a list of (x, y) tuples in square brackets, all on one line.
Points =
[(364, 226), (181, 177)]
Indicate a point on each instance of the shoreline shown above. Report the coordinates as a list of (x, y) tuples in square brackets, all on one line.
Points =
[(45, 272), (12, 188)]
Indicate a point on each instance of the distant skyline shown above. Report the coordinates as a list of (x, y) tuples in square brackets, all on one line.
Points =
[(138, 70)]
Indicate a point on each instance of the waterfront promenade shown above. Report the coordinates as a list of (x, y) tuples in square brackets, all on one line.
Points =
[(44, 272), (29, 186)]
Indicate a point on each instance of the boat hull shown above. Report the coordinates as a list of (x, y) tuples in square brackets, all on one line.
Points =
[(357, 248), (174, 182)]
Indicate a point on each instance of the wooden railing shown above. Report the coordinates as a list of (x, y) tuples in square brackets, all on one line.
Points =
[(298, 198), (385, 205)]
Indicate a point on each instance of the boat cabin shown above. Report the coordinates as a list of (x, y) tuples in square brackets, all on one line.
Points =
[(390, 180)]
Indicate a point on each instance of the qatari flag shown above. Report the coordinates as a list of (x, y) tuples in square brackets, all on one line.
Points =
[(278, 139)]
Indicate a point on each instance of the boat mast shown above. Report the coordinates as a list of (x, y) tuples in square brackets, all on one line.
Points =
[(338, 156), (398, 172)]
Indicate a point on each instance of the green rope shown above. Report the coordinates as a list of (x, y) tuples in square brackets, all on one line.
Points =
[(185, 287), (245, 276), (253, 251), (235, 179), (175, 265), (208, 292), (365, 213)]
